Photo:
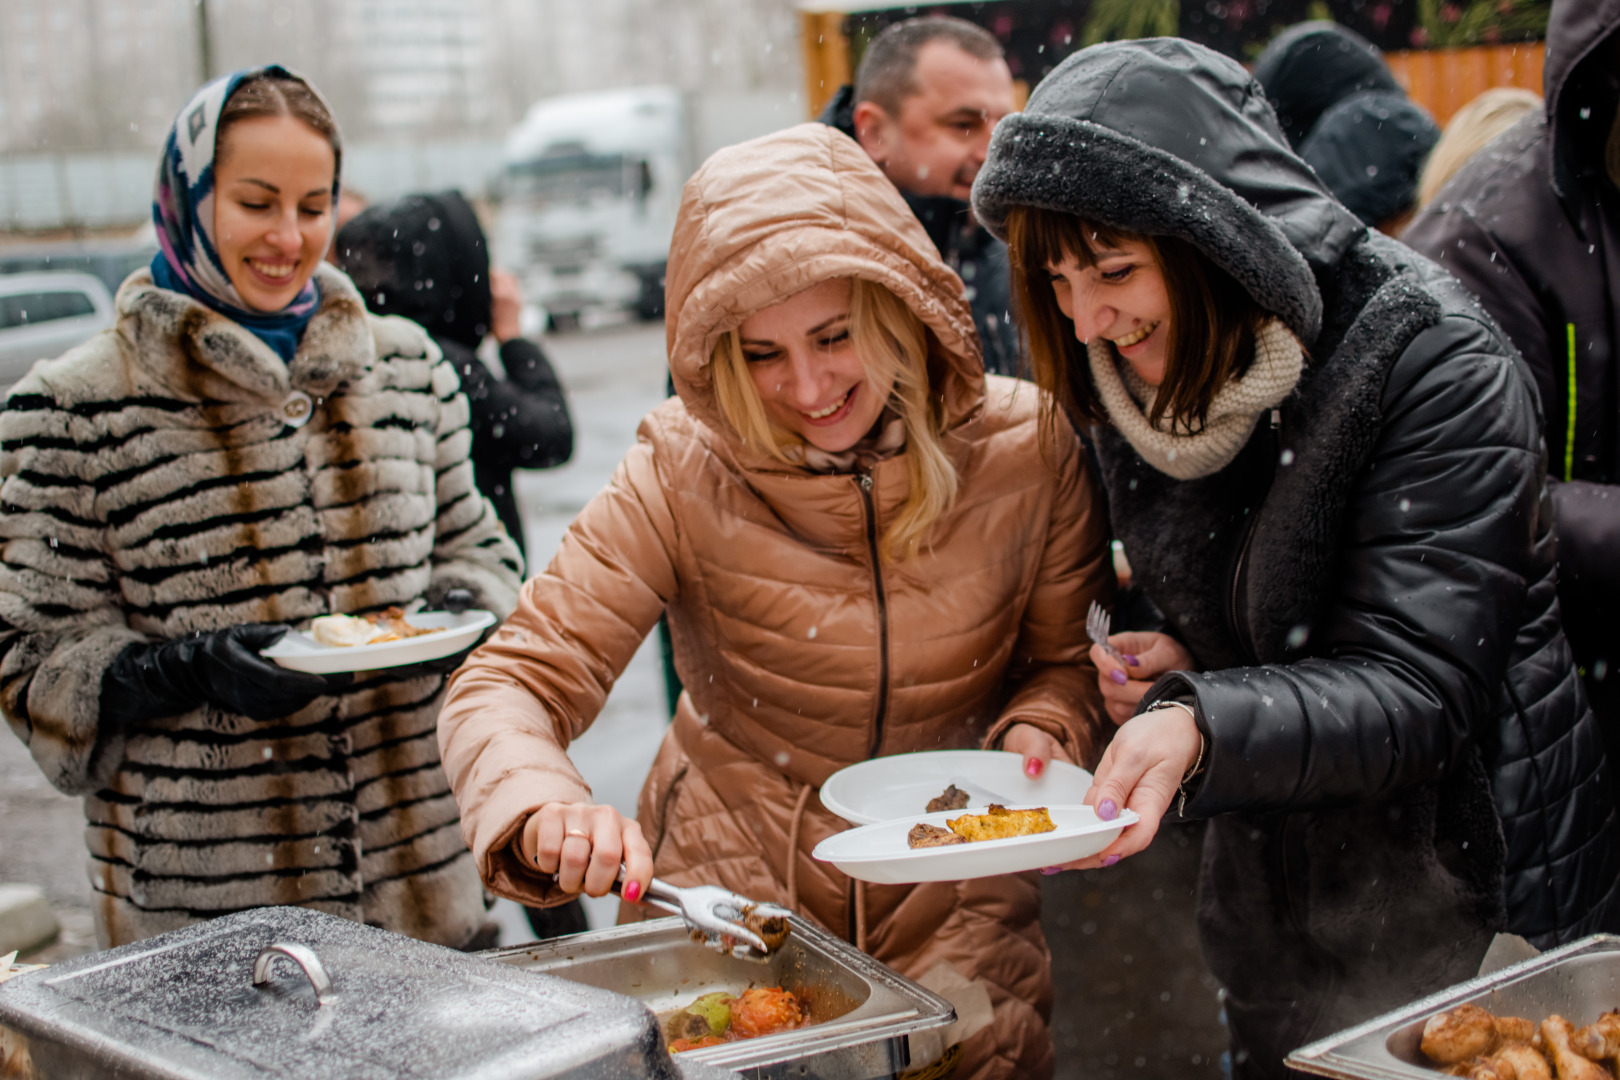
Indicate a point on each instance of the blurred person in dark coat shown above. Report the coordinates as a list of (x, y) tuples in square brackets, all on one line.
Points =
[(928, 93), (1343, 112), (1312, 66), (425, 257), (1369, 150), (1532, 225)]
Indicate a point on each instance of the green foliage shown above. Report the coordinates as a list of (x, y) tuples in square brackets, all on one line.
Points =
[(1116, 20), (1450, 23)]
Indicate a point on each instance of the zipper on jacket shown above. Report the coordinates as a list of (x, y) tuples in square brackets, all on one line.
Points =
[(864, 482)]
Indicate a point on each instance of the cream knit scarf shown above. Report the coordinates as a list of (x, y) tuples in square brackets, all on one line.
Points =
[(1278, 361)]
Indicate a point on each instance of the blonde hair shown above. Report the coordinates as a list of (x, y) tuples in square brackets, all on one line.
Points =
[(1474, 125), (893, 345)]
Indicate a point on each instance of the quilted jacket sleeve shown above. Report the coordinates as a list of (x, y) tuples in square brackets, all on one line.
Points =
[(1054, 683), (1436, 552), (543, 678), (61, 620), (470, 548)]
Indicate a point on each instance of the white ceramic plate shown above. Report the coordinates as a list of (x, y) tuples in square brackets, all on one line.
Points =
[(878, 853), (301, 652), (888, 788)]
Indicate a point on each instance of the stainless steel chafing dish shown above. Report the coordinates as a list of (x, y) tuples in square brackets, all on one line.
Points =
[(861, 1011), (1578, 981), (283, 992)]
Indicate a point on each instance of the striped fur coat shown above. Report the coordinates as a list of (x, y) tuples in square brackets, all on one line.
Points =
[(173, 474)]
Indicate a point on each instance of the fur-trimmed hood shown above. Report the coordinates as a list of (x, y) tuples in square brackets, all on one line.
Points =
[(1168, 138), (769, 218)]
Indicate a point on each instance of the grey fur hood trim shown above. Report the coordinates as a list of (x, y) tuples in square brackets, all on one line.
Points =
[(1168, 138)]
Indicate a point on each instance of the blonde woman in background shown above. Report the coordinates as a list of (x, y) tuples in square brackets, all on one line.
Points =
[(865, 546), (1474, 125)]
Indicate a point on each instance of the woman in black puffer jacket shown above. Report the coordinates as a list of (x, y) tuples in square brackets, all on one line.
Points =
[(1325, 466)]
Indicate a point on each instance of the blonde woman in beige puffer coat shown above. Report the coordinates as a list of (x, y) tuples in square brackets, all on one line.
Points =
[(865, 546)]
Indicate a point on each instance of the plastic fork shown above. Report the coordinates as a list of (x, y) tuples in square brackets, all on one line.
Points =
[(714, 915), (1097, 624)]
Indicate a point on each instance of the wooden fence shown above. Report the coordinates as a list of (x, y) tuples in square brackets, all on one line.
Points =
[(1441, 80)]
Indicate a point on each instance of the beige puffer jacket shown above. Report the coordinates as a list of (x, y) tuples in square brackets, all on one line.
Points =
[(801, 652)]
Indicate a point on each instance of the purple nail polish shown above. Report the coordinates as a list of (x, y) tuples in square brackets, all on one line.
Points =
[(1129, 659), (1050, 870), (1118, 676), (1110, 860), (1107, 810)]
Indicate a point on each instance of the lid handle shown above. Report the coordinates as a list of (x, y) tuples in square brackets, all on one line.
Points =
[(300, 955)]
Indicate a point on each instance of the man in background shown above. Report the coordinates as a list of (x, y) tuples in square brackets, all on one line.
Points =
[(1531, 224), (928, 94)]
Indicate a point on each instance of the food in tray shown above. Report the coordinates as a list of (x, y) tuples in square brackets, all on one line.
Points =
[(996, 823), (1472, 1042), (952, 798), (772, 929), (718, 1017), (344, 631), (924, 835)]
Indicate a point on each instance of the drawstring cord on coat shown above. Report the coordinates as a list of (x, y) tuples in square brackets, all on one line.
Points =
[(793, 848)]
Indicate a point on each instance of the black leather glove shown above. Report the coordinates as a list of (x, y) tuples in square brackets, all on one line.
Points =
[(219, 667)]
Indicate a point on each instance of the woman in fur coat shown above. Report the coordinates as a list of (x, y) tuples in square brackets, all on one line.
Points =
[(811, 512), (1325, 466), (245, 449)]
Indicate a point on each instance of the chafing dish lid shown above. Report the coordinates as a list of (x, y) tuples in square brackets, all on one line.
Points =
[(184, 1004)]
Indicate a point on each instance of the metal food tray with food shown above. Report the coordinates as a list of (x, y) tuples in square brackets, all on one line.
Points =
[(862, 1012), (279, 992), (1578, 981)]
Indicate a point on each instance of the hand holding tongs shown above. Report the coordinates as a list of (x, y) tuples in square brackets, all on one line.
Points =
[(719, 918)]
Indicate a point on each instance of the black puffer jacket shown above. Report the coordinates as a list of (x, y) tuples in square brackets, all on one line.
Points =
[(1532, 226), (1367, 588), (425, 257), (967, 248)]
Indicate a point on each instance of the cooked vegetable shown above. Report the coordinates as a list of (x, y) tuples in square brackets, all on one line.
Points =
[(765, 1011)]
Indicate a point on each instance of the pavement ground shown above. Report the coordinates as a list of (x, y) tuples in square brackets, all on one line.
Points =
[(1133, 996)]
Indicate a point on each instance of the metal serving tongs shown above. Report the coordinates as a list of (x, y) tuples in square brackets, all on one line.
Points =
[(719, 918)]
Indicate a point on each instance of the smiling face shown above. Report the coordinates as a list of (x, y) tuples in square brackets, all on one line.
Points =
[(1121, 298), (938, 142), (273, 180), (802, 359)]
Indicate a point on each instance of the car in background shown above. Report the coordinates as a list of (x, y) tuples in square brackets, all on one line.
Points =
[(109, 260), (44, 315)]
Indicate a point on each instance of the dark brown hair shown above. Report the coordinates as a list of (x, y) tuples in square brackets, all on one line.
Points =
[(1213, 319), (272, 93), (885, 75)]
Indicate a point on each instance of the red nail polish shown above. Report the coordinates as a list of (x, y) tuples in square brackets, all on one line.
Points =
[(632, 891), (1033, 767)]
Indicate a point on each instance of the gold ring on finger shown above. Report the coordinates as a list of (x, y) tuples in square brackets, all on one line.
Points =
[(581, 833)]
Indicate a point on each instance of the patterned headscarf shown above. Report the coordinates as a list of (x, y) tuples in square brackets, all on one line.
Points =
[(183, 211)]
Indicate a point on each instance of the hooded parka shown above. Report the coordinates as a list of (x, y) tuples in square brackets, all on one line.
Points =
[(800, 649), (1400, 758), (1532, 225), (174, 475)]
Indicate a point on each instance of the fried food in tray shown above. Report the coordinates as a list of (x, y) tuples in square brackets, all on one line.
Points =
[(1472, 1042), (996, 823), (346, 631), (952, 798), (718, 1018)]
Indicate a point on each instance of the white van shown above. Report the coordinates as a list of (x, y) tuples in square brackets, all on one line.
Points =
[(46, 314)]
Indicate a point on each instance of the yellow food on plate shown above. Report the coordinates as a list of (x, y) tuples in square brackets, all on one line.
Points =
[(999, 823)]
